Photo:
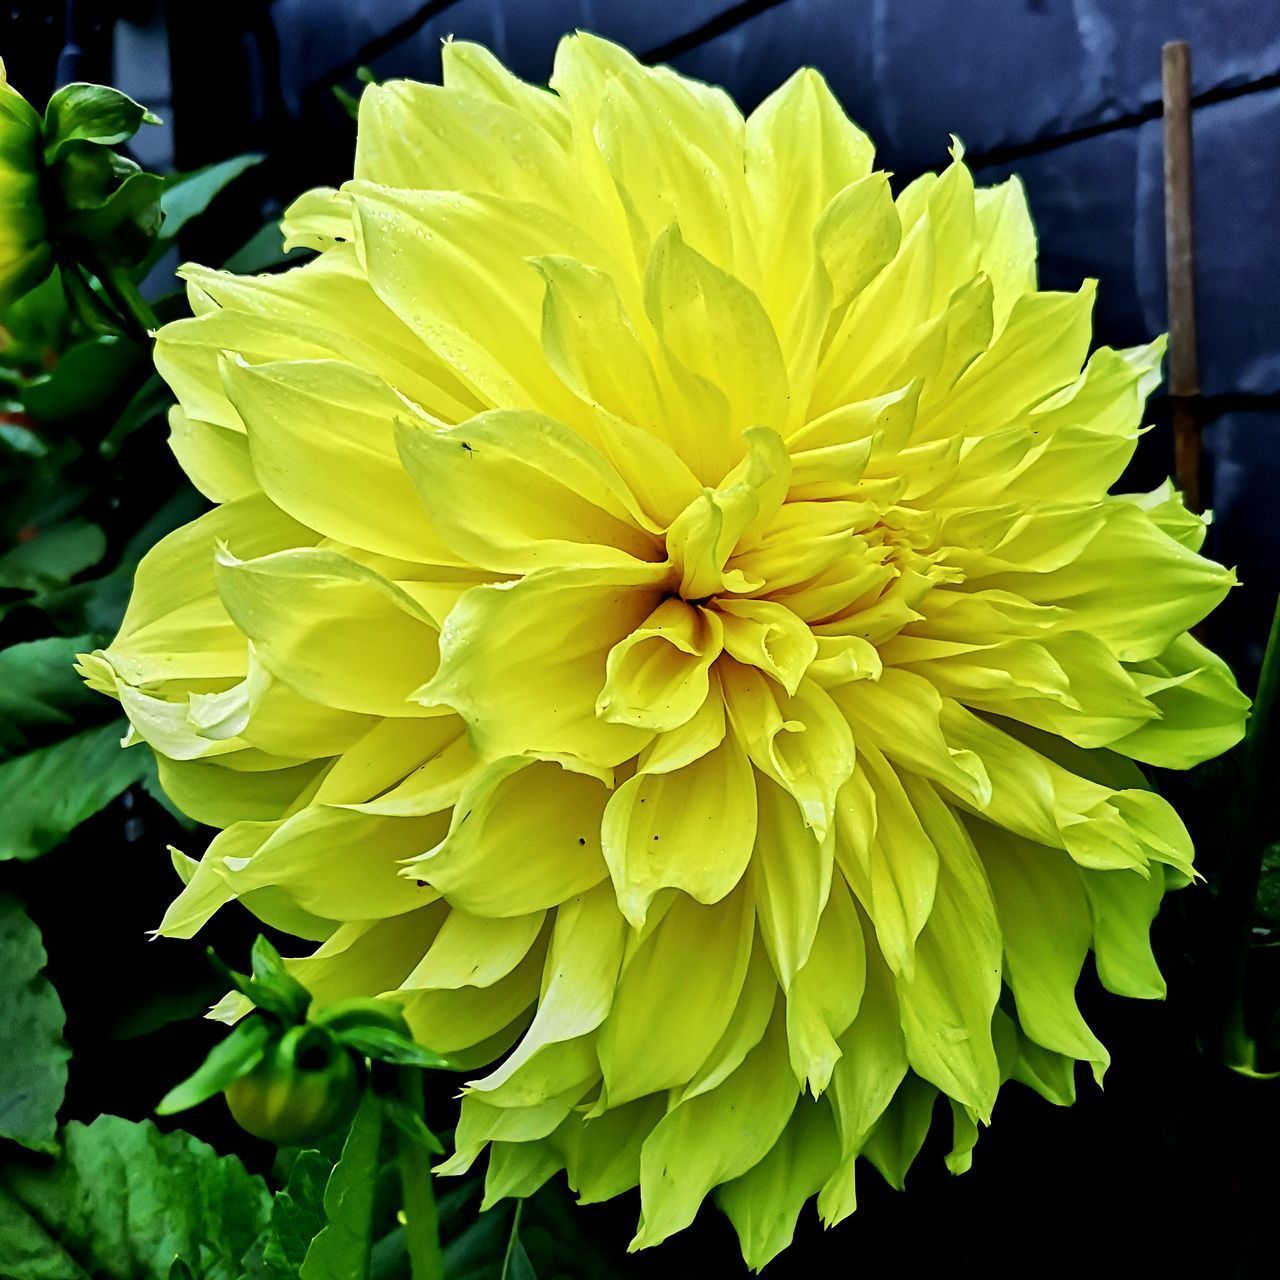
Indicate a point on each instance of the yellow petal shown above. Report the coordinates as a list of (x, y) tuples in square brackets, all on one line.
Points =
[(646, 1045), (523, 837), (563, 503), (692, 828), (561, 623), (309, 613)]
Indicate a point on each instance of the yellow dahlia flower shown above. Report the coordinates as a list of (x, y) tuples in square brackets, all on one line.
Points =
[(25, 255), (664, 624)]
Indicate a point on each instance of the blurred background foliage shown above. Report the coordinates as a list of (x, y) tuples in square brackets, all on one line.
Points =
[(1174, 1166)]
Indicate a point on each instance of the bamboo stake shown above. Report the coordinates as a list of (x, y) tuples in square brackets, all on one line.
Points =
[(1179, 240)]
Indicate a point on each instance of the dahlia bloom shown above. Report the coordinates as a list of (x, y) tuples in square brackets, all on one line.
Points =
[(25, 256), (664, 624)]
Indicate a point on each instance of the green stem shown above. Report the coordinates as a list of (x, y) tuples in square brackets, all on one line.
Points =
[(422, 1235), (132, 306), (94, 312), (512, 1236), (1249, 826)]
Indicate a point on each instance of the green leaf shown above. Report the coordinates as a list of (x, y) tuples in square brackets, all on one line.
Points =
[(123, 1202), (272, 987), (187, 195), (85, 377), (347, 100), (1267, 903), (21, 441), (122, 227), (49, 792), (147, 405), (228, 1060), (98, 605), (33, 1056), (410, 1123), (52, 557), (40, 689), (385, 1045), (297, 1217), (263, 250), (341, 1251), (516, 1264), (91, 113)]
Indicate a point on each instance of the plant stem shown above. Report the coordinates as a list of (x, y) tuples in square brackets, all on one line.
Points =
[(422, 1235), (1249, 826), (133, 307)]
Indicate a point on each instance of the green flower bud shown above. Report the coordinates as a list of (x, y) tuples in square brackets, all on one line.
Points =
[(303, 1087), (25, 255)]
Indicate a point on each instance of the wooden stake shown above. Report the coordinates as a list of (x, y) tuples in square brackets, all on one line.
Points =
[(1179, 241)]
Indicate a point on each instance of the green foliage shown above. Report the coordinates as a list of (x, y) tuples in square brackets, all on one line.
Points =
[(297, 1217), (229, 1059), (52, 790), (187, 195), (343, 1248), (124, 1202), (93, 113), (40, 691), (85, 377), (33, 1056), (54, 773), (52, 557)]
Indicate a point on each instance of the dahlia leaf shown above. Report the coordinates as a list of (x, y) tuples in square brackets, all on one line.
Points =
[(273, 987), (233, 1057), (95, 113), (124, 1202), (385, 1045), (39, 690), (188, 195), (341, 1250), (409, 1122), (33, 1055), (297, 1217), (53, 789), (52, 557)]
